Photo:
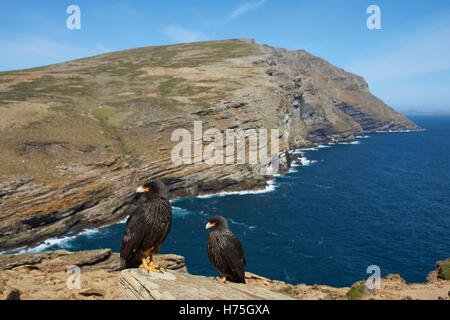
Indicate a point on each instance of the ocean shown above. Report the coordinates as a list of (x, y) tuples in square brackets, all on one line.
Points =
[(384, 201)]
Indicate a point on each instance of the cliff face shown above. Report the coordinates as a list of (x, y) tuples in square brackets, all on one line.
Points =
[(78, 137)]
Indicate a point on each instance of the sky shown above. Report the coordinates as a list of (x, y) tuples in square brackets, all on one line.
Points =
[(406, 63)]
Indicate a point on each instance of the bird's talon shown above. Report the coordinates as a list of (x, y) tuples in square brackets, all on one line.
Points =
[(223, 279)]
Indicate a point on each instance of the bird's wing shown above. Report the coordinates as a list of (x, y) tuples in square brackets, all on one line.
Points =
[(134, 233), (234, 255), (157, 224)]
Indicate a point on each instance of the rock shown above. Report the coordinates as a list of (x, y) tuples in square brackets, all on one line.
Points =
[(171, 262), (93, 292), (10, 261), (137, 284), (43, 276), (54, 260), (87, 260), (14, 294)]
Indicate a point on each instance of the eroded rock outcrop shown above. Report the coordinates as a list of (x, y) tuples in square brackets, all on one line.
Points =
[(44, 275), (141, 285)]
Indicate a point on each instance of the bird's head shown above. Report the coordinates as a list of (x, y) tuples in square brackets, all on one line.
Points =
[(217, 223), (153, 189)]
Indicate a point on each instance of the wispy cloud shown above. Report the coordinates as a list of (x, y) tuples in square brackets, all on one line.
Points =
[(178, 34), (244, 8), (419, 53)]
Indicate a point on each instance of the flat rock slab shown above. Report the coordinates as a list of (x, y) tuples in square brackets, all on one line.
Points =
[(137, 284)]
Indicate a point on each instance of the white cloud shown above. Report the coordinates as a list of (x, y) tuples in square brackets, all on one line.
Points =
[(244, 8), (178, 34)]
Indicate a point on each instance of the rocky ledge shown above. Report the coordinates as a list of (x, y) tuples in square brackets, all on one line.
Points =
[(138, 284), (44, 276)]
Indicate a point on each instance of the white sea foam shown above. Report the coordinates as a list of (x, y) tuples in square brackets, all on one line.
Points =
[(399, 131), (61, 242), (271, 186), (179, 212), (294, 163), (300, 151), (327, 145), (242, 224), (307, 162), (293, 169)]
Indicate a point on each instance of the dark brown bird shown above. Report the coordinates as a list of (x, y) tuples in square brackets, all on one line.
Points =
[(225, 251), (147, 227)]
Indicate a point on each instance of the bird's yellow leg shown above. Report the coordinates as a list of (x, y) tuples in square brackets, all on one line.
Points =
[(150, 266), (144, 265), (154, 266), (223, 279)]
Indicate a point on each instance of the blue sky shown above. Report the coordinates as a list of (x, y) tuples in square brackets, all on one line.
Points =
[(406, 63)]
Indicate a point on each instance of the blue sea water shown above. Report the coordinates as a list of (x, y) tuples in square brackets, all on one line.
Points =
[(384, 201)]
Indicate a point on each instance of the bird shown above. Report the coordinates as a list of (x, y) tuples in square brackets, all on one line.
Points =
[(147, 226), (225, 251)]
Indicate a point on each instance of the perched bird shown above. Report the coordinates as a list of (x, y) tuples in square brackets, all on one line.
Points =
[(225, 251), (147, 227)]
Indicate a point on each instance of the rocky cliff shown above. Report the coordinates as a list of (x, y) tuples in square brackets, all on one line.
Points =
[(78, 137)]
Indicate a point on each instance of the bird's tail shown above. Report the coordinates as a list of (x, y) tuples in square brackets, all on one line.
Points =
[(237, 279), (123, 264)]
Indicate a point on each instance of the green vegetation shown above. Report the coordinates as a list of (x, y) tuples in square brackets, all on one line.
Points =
[(180, 87), (444, 270), (71, 86), (356, 290), (117, 99), (167, 87), (290, 291)]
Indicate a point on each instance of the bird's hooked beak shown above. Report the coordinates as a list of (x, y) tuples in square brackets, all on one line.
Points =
[(142, 190), (210, 225)]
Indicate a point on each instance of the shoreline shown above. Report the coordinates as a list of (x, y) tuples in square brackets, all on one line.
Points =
[(41, 246)]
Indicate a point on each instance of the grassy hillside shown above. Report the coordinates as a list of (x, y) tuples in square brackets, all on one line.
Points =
[(111, 103)]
